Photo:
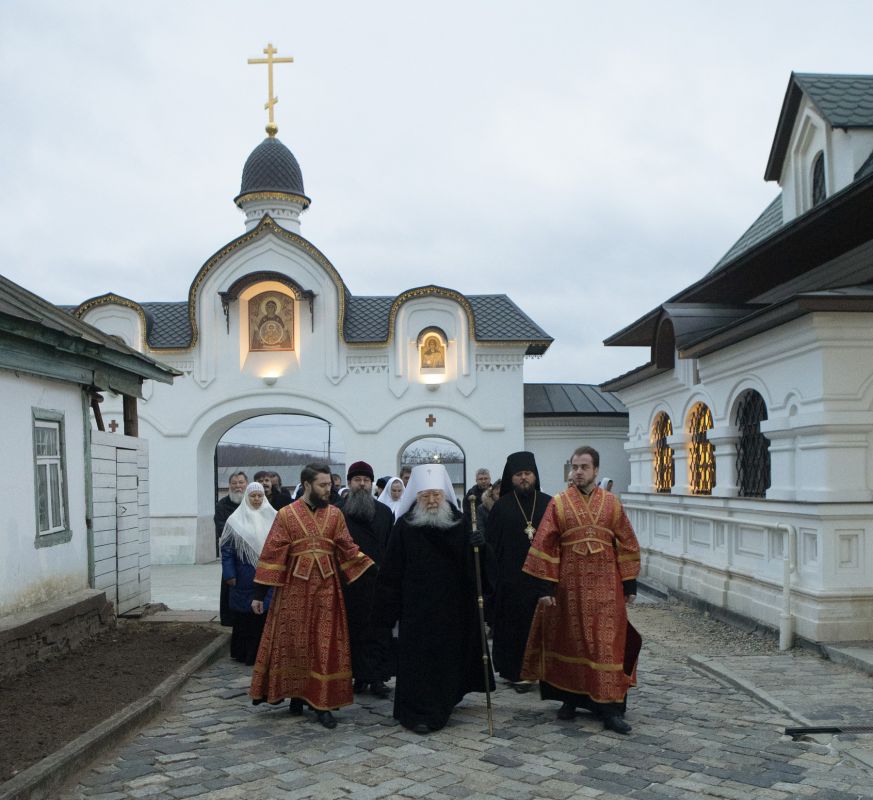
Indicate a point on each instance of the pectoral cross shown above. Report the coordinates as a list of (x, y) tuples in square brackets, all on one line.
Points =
[(270, 51)]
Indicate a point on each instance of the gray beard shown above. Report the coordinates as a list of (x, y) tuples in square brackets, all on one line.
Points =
[(360, 504), (441, 517), (236, 497)]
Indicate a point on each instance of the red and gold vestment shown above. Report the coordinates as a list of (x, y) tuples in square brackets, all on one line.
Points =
[(584, 644), (304, 650)]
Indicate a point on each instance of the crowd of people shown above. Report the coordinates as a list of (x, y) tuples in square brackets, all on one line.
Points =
[(332, 590)]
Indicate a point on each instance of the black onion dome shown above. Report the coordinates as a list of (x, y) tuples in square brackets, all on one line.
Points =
[(271, 167)]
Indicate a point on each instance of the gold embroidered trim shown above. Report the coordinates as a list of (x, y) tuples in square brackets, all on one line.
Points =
[(585, 662), (544, 556), (268, 565)]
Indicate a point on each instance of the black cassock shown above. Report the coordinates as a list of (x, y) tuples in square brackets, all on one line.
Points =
[(371, 647), (428, 583), (516, 593)]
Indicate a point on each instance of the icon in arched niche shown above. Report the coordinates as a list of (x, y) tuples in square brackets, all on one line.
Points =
[(271, 322), (433, 352)]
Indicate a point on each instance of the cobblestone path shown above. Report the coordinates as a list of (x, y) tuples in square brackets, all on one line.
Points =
[(694, 736)]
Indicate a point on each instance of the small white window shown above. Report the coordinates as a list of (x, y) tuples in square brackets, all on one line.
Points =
[(49, 455)]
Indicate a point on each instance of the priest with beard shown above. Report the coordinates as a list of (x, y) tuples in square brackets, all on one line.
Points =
[(428, 583), (512, 523), (369, 522), (304, 653)]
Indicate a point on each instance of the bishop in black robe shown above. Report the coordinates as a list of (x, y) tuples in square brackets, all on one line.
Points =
[(428, 583)]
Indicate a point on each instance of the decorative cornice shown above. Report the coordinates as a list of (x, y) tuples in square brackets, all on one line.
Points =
[(256, 197), (264, 227), (429, 291), (112, 299)]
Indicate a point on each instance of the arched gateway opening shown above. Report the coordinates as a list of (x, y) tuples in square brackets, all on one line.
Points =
[(280, 443), (438, 450)]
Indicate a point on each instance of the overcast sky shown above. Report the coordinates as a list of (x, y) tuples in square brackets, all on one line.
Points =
[(587, 159)]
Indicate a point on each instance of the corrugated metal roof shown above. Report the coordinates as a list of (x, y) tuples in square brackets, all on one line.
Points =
[(570, 399)]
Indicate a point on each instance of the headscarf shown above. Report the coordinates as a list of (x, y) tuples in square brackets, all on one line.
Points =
[(426, 477), (604, 483), (247, 527), (516, 462), (385, 496)]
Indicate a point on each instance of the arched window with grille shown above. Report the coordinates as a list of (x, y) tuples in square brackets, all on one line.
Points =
[(819, 184), (753, 448), (701, 453), (662, 454)]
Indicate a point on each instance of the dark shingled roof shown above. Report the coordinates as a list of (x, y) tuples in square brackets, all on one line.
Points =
[(271, 167), (496, 317), (570, 400), (167, 324), (845, 101), (769, 222)]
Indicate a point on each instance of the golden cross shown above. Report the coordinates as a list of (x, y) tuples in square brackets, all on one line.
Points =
[(270, 51)]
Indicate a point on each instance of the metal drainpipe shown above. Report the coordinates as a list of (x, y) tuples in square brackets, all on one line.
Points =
[(789, 566)]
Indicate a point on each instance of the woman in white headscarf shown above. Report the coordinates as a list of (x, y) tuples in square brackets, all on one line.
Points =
[(241, 543), (606, 484), (392, 493)]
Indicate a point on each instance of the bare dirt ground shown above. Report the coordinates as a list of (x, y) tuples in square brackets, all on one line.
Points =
[(54, 702)]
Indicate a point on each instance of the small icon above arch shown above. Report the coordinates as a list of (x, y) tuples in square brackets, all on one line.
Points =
[(432, 350)]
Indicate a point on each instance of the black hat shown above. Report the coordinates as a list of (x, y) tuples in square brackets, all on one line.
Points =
[(517, 462), (360, 468)]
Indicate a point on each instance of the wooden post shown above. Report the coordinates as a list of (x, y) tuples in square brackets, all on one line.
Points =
[(131, 420)]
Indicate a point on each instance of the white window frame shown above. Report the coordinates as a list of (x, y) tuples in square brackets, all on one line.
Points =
[(56, 505)]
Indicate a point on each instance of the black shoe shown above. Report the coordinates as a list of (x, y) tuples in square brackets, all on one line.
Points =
[(326, 718), (617, 724), (295, 706), (359, 686), (522, 687), (420, 728), (379, 689), (567, 711)]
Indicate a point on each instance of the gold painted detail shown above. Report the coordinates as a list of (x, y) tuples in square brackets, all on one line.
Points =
[(265, 226), (270, 51), (112, 299), (288, 197)]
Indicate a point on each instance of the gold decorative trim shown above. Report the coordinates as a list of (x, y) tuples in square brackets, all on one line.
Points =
[(264, 227), (112, 299), (255, 197)]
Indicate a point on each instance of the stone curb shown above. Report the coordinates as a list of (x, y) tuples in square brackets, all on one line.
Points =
[(712, 667), (40, 780)]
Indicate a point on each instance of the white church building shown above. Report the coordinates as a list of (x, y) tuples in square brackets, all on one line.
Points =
[(750, 428), (270, 327)]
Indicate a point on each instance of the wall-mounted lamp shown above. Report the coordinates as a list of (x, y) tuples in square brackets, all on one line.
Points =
[(270, 380)]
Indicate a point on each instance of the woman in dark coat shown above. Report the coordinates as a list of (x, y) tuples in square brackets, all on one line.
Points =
[(241, 542)]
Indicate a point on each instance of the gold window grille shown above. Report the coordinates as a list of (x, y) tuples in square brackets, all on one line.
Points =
[(662, 454), (701, 455)]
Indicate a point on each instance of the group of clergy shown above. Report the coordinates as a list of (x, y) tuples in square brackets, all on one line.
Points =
[(559, 572)]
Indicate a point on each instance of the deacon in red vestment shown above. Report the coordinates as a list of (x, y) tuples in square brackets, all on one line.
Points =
[(304, 653), (581, 646)]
